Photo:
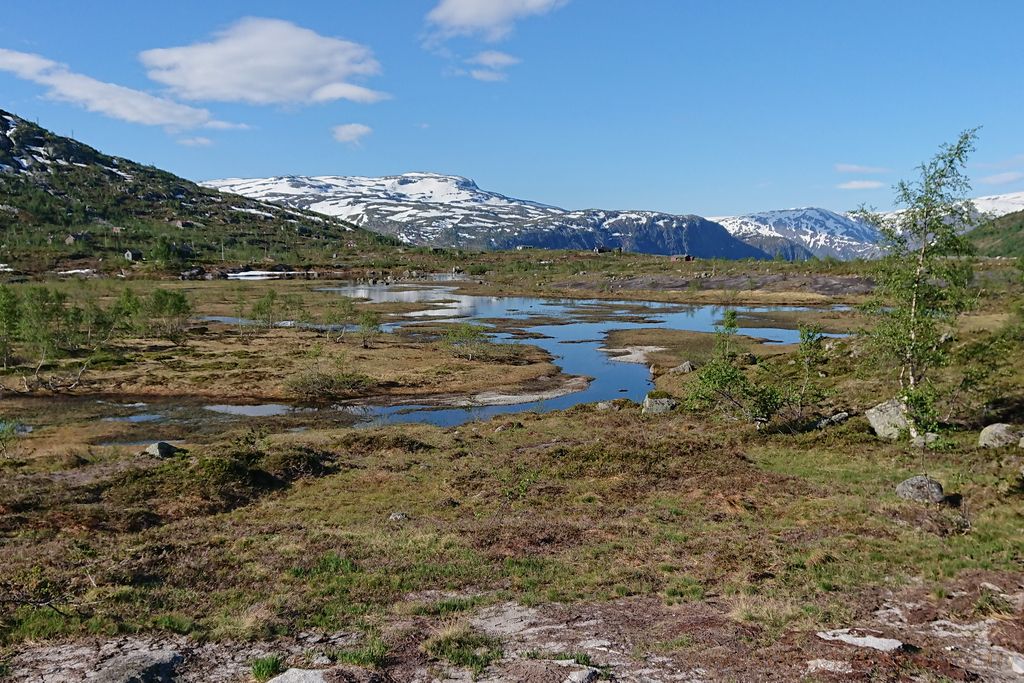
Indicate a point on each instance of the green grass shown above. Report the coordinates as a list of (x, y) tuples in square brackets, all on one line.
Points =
[(265, 668), (461, 646), (373, 653)]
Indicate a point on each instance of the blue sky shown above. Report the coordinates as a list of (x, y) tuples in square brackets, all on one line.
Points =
[(689, 107)]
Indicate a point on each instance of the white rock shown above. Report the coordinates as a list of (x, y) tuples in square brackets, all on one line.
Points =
[(300, 676), (848, 636), (829, 666)]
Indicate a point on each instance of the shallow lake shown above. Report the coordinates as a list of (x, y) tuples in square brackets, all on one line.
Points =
[(573, 331)]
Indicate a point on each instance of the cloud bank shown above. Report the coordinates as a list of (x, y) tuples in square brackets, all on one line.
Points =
[(266, 61)]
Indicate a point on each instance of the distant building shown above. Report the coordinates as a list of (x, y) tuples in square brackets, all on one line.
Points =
[(77, 237), (132, 255)]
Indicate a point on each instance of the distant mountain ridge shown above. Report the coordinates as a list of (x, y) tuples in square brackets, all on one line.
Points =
[(819, 232), (446, 210), (443, 210)]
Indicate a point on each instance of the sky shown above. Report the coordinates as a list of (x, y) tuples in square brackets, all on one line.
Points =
[(714, 108)]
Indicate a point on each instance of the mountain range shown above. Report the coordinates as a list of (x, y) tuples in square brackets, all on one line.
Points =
[(443, 210), (437, 209), (49, 183)]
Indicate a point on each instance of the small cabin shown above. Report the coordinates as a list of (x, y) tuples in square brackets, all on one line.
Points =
[(75, 238), (132, 255)]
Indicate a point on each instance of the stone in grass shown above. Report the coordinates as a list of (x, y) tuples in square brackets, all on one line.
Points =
[(837, 419), (398, 517), (349, 674), (999, 435), (861, 638), (684, 368), (658, 406), (142, 666), (921, 489), (162, 449), (888, 419)]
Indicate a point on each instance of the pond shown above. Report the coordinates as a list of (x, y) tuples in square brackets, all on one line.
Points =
[(573, 331)]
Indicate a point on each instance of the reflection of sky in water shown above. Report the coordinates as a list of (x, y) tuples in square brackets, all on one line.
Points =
[(575, 347)]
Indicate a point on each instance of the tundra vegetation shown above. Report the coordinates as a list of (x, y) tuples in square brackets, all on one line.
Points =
[(726, 532)]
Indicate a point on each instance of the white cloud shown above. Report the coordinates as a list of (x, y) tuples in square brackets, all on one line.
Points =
[(351, 133), (857, 168), (860, 185), (197, 141), (265, 61), (492, 19), (109, 99), (492, 59), (488, 75), (490, 64), (1002, 178)]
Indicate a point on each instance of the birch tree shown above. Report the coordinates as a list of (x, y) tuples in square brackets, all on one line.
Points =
[(924, 281)]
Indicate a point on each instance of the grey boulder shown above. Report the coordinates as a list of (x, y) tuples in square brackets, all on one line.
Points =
[(144, 666), (162, 449), (658, 406), (999, 435), (684, 368), (888, 419), (921, 489)]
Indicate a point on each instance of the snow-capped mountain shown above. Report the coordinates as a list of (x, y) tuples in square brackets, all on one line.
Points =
[(443, 210), (1000, 204), (820, 232)]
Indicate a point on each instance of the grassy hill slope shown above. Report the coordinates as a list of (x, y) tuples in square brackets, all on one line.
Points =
[(63, 202)]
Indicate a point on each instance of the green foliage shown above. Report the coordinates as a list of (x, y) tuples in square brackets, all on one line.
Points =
[(340, 314), (724, 383), (923, 283), (8, 435), (1003, 236), (10, 316), (465, 340), (166, 314), (264, 311), (265, 668), (369, 327)]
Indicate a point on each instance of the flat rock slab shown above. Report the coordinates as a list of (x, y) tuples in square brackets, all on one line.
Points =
[(854, 637)]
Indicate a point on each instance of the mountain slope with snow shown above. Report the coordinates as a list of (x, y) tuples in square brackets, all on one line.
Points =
[(443, 210), (820, 232)]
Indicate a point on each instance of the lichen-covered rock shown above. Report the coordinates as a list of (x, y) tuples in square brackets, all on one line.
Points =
[(888, 419), (921, 489), (1000, 435), (658, 406)]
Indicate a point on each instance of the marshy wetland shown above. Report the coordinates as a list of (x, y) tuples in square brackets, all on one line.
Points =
[(479, 490)]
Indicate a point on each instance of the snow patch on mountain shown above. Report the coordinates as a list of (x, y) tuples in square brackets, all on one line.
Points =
[(822, 232), (1000, 204), (443, 210)]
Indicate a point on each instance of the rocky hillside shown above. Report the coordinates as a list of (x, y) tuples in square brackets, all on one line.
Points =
[(434, 209), (65, 199)]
